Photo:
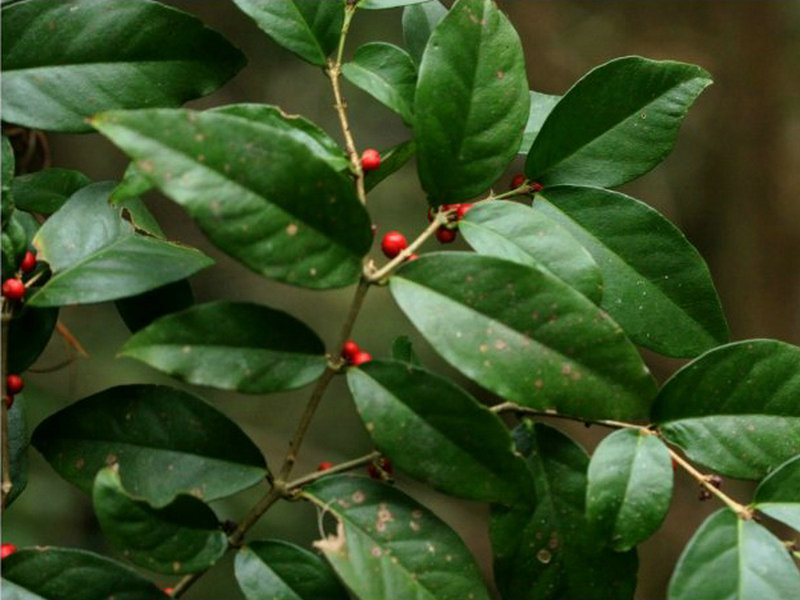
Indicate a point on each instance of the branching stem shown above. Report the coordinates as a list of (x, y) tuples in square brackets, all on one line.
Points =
[(516, 408)]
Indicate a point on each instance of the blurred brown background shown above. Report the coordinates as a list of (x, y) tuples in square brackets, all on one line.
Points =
[(731, 184)]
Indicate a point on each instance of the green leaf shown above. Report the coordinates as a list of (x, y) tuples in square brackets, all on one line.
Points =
[(515, 232), (182, 537), (381, 4), (139, 311), (231, 346), (629, 487), (46, 191), (48, 573), (28, 335), (166, 442), (541, 107), (616, 123), (64, 62), (18, 443), (96, 256), (7, 165), (473, 87), (419, 21), (309, 28), (655, 283), (256, 184), (390, 547), (524, 334), (387, 73), (392, 160), (732, 559), (403, 350), (282, 571), (735, 408), (436, 432), (779, 494), (133, 185), (551, 551)]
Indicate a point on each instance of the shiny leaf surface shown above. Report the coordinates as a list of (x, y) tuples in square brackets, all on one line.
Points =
[(46, 191), (419, 21)]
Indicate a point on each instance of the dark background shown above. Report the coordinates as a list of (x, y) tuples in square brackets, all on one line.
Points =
[(731, 184)]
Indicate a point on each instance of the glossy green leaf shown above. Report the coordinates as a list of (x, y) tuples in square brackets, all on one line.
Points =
[(166, 442), (7, 180), (95, 255), (15, 241), (403, 350), (48, 573), (387, 73), (231, 346), (550, 551), (436, 432), (616, 123), (419, 21), (46, 191), (279, 570), (779, 494), (629, 487), (261, 191), (541, 107), (524, 334), (139, 311), (309, 28), (732, 559), (18, 443), (474, 91), (392, 160), (64, 62), (28, 335), (182, 537), (735, 408), (515, 232), (381, 4), (655, 283), (133, 185), (390, 547)]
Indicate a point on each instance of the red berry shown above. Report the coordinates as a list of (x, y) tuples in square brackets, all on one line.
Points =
[(411, 257), (536, 186), (462, 210), (349, 350), (446, 235), (168, 590), (393, 243), (14, 384), (7, 550), (361, 358), (517, 181), (13, 288), (370, 159), (28, 263), (9, 400), (324, 465)]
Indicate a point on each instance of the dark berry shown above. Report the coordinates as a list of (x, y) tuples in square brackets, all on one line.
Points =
[(446, 235)]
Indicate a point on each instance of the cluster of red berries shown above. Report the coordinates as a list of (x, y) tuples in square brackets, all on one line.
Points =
[(354, 355), (13, 287), (14, 385), (7, 550), (519, 180)]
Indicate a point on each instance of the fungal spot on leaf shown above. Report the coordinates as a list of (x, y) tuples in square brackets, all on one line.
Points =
[(145, 165), (500, 345), (376, 551), (484, 348), (544, 556), (414, 526), (186, 349), (538, 384), (199, 137), (201, 158), (80, 463), (500, 74), (358, 497), (333, 544), (291, 229), (111, 458), (176, 566)]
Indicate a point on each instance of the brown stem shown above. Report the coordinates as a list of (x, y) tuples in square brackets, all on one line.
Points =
[(70, 339), (345, 466), (516, 408)]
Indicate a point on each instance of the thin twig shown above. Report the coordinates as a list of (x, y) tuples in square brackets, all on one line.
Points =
[(70, 339), (516, 408), (7, 484), (345, 466)]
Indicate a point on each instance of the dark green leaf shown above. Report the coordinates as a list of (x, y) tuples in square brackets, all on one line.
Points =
[(64, 62), (524, 334), (392, 160), (436, 432), (133, 185), (629, 487), (402, 349), (732, 559), (260, 190), (655, 283), (735, 408), (15, 241), (618, 122), (166, 442), (390, 547), (419, 21), (517, 233), (309, 28), (28, 336), (551, 551), (473, 88), (46, 191), (779, 494), (380, 4), (18, 443), (7, 180), (541, 106), (95, 255), (182, 537), (387, 73), (282, 571), (139, 311), (48, 573), (232, 346)]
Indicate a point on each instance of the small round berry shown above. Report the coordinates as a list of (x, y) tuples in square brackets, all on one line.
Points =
[(462, 210), (9, 400), (361, 358), (28, 263), (324, 465), (517, 181), (168, 590), (412, 256), (393, 243), (14, 384), (349, 350), (370, 159), (7, 550), (13, 289), (446, 235)]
